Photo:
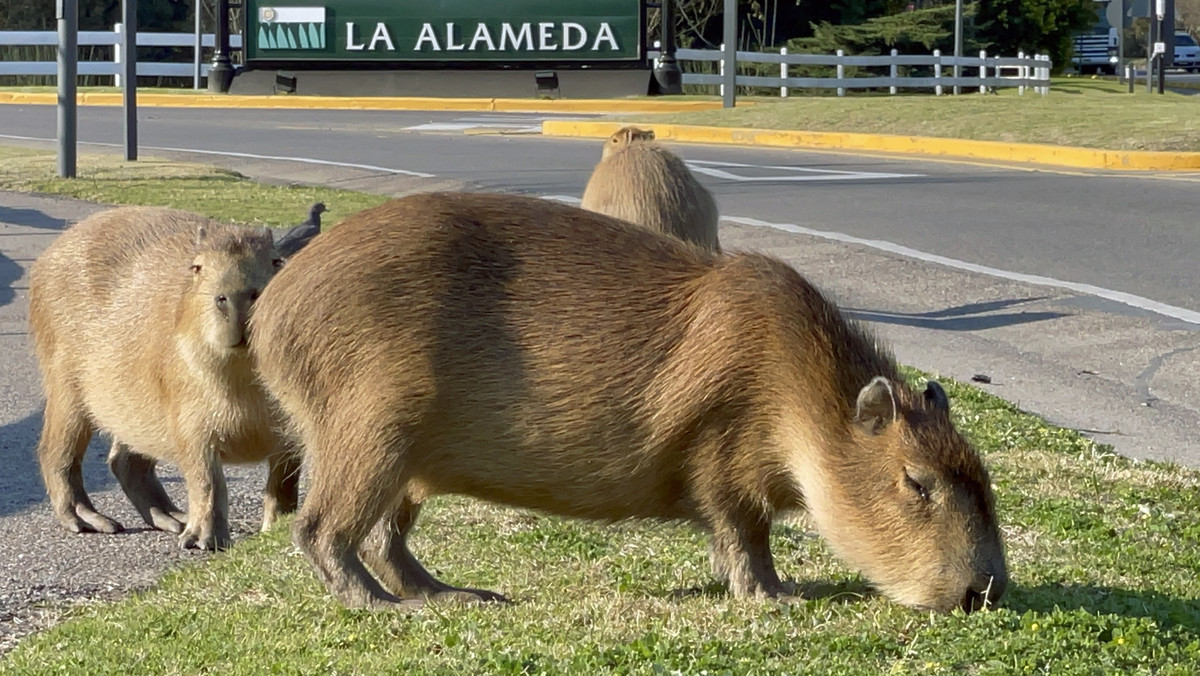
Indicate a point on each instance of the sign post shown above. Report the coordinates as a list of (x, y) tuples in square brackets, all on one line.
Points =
[(67, 13), (128, 49), (729, 99)]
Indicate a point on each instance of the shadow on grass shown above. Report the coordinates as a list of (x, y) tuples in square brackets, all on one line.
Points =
[(1164, 610), (850, 591)]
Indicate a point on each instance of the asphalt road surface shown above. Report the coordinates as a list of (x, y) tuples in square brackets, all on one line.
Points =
[(1075, 293)]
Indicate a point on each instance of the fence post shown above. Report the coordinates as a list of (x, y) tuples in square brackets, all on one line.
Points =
[(1023, 73), (841, 73), (721, 71), (783, 90), (1045, 74), (895, 72), (937, 71), (120, 31), (982, 71)]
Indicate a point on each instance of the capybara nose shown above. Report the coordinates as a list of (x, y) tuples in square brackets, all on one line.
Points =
[(986, 592)]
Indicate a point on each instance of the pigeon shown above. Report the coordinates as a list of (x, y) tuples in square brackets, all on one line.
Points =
[(292, 240)]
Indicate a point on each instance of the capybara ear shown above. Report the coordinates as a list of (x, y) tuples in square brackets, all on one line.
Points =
[(935, 395), (877, 406), (201, 235)]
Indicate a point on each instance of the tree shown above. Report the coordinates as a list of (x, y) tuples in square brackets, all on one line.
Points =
[(1042, 26)]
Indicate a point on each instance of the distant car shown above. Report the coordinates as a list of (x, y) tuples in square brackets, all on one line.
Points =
[(1187, 52)]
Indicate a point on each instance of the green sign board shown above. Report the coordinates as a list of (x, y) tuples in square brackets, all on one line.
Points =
[(502, 31)]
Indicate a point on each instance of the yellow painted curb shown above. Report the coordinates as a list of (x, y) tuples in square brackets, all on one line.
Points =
[(370, 103), (1024, 153)]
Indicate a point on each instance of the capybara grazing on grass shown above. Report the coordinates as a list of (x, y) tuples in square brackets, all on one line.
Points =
[(538, 355), (139, 320), (640, 181)]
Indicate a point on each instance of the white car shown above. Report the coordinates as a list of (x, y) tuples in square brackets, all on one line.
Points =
[(1187, 53)]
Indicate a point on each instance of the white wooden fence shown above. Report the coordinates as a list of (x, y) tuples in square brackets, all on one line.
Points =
[(975, 72), (981, 72), (114, 38)]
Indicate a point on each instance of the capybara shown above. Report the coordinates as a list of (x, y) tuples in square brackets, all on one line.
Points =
[(642, 182), (139, 319), (539, 355)]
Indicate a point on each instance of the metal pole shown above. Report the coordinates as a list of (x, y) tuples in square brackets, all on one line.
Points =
[(667, 75), (199, 48), (958, 42), (220, 75), (1121, 41), (68, 68), (129, 77), (729, 99)]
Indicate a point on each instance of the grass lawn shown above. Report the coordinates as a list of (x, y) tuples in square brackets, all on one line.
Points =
[(1104, 558), (1078, 112)]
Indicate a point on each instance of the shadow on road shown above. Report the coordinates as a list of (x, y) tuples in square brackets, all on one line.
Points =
[(21, 480), (31, 218), (10, 272), (970, 317)]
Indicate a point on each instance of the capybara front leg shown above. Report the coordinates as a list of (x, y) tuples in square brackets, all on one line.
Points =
[(282, 493), (208, 502), (135, 473), (386, 553), (66, 432), (741, 554)]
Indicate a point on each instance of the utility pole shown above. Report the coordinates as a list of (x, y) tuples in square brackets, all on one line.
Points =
[(958, 42), (129, 77), (67, 13), (729, 100)]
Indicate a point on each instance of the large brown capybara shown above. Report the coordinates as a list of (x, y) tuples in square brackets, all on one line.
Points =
[(642, 182), (139, 320), (539, 355)]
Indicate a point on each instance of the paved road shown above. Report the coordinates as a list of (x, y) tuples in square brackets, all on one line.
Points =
[(1121, 373)]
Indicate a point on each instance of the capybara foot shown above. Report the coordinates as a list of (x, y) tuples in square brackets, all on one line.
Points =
[(170, 521), (82, 519), (467, 596), (204, 536)]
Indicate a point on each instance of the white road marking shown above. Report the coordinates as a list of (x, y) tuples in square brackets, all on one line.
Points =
[(1139, 302), (304, 160), (711, 168)]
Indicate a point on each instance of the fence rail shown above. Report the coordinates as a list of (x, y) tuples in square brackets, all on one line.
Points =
[(113, 38)]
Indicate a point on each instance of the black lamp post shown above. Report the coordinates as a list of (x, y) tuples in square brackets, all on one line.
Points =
[(668, 78), (220, 74)]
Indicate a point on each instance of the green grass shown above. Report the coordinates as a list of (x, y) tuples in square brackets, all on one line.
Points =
[(1104, 556), (217, 193), (1084, 112)]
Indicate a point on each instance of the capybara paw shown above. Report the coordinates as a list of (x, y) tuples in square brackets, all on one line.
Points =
[(467, 596), (172, 522), (199, 537), (80, 519)]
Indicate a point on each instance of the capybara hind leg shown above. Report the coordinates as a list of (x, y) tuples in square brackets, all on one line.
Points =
[(282, 494), (386, 553), (741, 554), (135, 473), (66, 432), (208, 503)]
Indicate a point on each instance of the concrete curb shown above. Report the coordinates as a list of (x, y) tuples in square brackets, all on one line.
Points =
[(370, 103), (1022, 153)]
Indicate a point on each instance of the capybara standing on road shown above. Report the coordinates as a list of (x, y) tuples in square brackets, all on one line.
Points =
[(640, 181), (139, 319), (538, 355)]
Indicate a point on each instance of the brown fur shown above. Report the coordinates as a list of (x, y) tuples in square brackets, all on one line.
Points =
[(538, 355), (133, 340), (640, 181)]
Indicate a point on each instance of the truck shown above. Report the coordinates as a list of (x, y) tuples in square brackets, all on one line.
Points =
[(1096, 48)]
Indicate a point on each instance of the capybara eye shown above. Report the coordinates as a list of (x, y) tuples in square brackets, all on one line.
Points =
[(222, 301), (277, 262), (195, 269), (254, 295), (916, 487)]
